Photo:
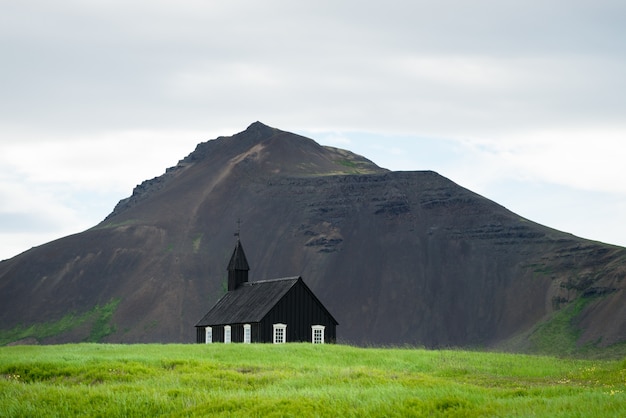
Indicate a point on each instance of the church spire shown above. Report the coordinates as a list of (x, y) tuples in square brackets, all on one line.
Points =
[(238, 266)]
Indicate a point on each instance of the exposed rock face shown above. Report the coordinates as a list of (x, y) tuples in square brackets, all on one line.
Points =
[(397, 257)]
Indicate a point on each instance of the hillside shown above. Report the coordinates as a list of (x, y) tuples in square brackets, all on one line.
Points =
[(397, 257)]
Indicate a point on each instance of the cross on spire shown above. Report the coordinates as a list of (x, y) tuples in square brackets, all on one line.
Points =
[(238, 228)]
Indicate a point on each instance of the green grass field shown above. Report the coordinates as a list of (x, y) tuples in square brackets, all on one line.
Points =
[(301, 380)]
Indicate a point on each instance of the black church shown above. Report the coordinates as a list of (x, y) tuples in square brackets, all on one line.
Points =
[(267, 311)]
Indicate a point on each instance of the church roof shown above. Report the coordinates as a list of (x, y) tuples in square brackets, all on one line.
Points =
[(250, 302)]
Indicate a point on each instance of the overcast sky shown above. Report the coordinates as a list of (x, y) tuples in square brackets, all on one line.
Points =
[(523, 102)]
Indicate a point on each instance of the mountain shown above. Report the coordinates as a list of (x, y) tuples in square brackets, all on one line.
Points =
[(397, 257)]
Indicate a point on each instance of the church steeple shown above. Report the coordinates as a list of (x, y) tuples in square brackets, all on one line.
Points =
[(237, 267)]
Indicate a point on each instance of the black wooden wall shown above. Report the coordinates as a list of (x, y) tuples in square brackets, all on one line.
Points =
[(300, 310)]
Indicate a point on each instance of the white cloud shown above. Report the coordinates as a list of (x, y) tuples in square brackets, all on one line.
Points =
[(104, 161), (110, 93), (333, 139), (590, 160), (51, 187)]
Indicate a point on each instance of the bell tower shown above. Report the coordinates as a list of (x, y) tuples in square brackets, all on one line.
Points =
[(237, 267)]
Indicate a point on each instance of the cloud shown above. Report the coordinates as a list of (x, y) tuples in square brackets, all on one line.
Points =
[(32, 213), (98, 96), (107, 161), (590, 160), (333, 139), (405, 67), (51, 188)]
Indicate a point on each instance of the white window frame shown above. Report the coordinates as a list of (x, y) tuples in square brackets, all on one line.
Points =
[(227, 334), (208, 335), (247, 334), (319, 330), (279, 333)]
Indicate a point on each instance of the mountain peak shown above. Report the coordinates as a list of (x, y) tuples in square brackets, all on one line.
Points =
[(257, 126), (259, 151), (260, 130)]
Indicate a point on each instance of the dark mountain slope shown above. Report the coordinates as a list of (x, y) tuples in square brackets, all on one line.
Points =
[(397, 257)]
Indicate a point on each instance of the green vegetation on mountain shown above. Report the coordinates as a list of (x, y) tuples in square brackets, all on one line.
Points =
[(97, 320)]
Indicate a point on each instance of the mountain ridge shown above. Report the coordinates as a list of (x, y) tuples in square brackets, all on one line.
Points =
[(397, 257)]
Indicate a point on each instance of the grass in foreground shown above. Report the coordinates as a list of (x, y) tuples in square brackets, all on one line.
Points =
[(300, 380)]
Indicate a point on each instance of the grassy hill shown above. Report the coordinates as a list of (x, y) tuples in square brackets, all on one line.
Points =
[(301, 380)]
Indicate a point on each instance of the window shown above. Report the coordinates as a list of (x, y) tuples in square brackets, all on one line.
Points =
[(247, 334), (208, 335), (227, 334), (318, 334), (280, 333)]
